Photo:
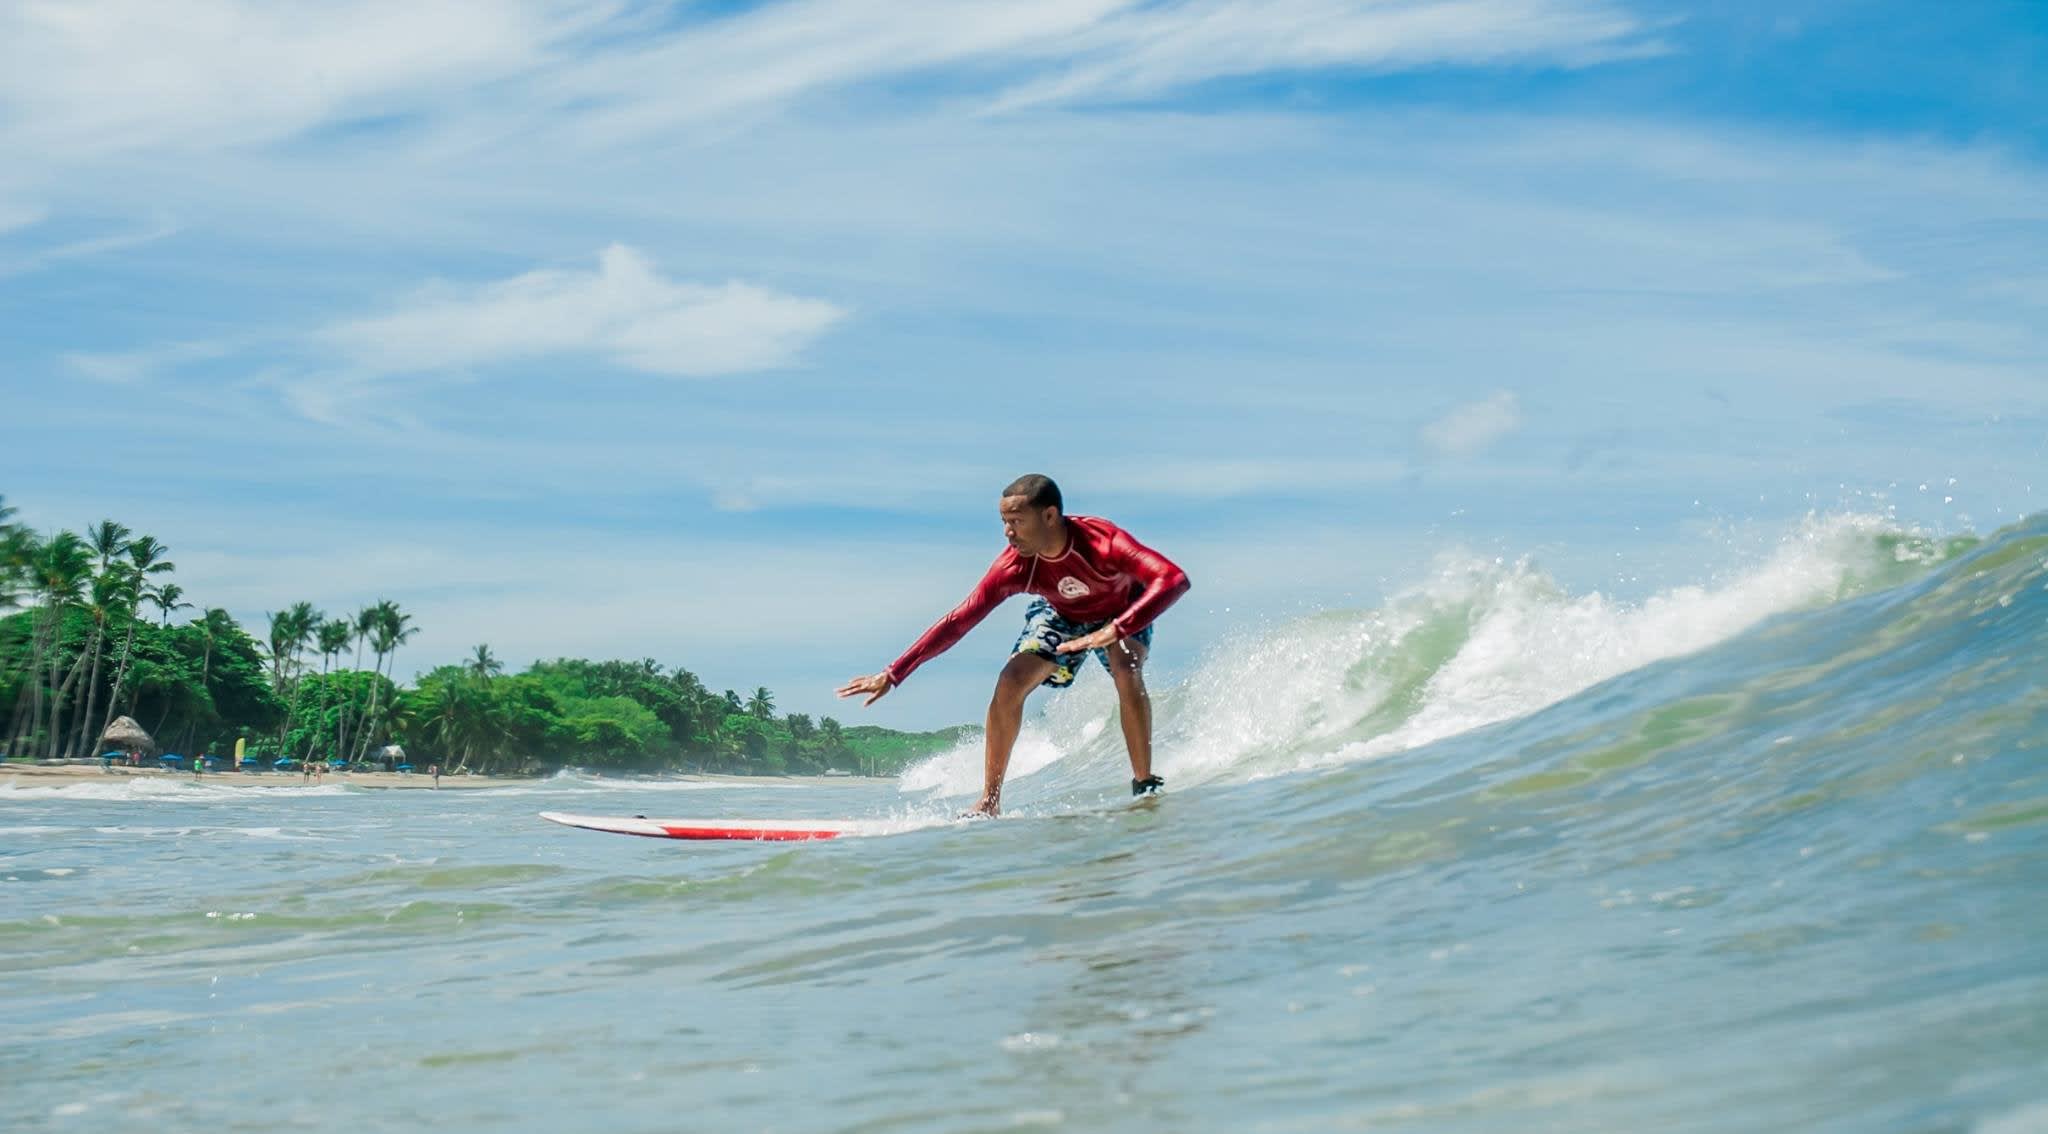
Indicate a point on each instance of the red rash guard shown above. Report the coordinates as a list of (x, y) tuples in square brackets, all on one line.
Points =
[(1103, 575)]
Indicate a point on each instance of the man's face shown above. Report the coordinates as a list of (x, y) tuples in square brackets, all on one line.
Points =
[(1032, 531)]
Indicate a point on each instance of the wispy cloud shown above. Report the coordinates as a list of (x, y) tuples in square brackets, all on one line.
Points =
[(1005, 57), (1144, 51), (1469, 429), (128, 367), (624, 311), (88, 76), (39, 258), (14, 215)]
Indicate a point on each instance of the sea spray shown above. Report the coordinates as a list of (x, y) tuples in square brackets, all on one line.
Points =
[(1476, 641)]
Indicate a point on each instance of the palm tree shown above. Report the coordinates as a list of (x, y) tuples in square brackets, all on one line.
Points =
[(166, 599), (800, 730), (761, 706), (290, 631), (58, 569), (463, 721), (392, 629), (62, 573), (331, 639), (17, 575), (279, 645), (112, 592), (484, 664), (215, 627), (145, 558), (365, 624), (12, 557)]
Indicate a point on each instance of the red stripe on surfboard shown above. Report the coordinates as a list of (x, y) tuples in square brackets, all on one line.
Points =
[(750, 833)]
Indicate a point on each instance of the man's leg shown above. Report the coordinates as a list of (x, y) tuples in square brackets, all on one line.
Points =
[(1023, 673), (1134, 705)]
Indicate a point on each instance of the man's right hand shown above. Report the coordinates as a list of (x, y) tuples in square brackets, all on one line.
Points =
[(874, 684)]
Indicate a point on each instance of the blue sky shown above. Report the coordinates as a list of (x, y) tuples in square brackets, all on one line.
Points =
[(708, 332)]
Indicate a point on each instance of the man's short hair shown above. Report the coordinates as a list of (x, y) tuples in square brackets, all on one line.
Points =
[(1038, 490)]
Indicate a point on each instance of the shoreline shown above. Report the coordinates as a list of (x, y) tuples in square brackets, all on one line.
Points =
[(53, 774), (93, 773)]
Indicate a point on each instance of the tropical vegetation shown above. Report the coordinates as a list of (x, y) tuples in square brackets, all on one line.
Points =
[(88, 635)]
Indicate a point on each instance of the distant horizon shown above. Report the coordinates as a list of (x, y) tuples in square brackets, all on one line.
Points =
[(709, 335)]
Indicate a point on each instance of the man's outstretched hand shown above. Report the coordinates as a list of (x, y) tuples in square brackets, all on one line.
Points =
[(1100, 640), (874, 684)]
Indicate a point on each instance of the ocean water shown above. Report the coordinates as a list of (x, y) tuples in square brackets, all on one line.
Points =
[(1766, 853)]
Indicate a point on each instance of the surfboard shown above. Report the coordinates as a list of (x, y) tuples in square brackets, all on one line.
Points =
[(757, 830)]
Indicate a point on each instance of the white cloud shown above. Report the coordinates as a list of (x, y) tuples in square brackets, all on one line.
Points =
[(1469, 429), (15, 215), (778, 52), (128, 367), (1071, 51), (77, 249), (1145, 50), (624, 310), (98, 75), (83, 77)]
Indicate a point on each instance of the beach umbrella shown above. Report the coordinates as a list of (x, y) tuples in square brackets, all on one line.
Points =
[(126, 735)]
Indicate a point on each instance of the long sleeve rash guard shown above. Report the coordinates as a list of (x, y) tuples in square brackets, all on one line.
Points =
[(1105, 575)]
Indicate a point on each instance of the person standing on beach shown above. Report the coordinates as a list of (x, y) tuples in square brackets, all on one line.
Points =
[(1096, 590)]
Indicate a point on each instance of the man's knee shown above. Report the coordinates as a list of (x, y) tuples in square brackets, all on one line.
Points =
[(1127, 662), (1023, 674)]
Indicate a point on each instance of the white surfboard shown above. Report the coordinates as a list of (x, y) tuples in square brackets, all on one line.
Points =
[(762, 830)]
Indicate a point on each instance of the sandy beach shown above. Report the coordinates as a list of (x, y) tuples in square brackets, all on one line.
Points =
[(35, 775)]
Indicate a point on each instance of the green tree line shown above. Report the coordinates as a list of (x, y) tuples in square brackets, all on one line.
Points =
[(87, 634)]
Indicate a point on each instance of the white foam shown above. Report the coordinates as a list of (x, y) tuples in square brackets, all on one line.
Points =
[(1074, 722), (1475, 642), (155, 788), (279, 834), (1531, 645), (576, 781)]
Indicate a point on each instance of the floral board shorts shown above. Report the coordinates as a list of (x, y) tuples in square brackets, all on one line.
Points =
[(1044, 630)]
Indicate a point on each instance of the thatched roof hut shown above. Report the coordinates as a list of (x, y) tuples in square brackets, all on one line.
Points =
[(127, 736)]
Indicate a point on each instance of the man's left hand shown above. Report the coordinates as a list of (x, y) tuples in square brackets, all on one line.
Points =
[(1100, 640)]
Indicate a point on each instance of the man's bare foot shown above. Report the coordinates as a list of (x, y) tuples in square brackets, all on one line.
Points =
[(989, 806)]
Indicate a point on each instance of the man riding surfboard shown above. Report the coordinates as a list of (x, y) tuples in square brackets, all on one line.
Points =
[(1097, 590)]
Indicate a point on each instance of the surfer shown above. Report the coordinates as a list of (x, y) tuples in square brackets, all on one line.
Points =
[(1096, 590)]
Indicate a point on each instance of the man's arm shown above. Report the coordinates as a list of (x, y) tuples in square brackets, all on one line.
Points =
[(1164, 584), (1000, 583)]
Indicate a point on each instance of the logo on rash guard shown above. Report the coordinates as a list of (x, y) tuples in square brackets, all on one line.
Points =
[(1071, 587)]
